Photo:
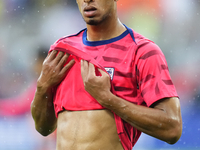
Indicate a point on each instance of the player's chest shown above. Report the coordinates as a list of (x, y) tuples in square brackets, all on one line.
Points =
[(117, 62)]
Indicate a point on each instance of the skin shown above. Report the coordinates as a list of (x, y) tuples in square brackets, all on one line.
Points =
[(162, 121), (91, 130), (75, 129), (42, 109)]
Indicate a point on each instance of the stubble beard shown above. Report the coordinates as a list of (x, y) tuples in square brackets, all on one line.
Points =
[(96, 22), (92, 22)]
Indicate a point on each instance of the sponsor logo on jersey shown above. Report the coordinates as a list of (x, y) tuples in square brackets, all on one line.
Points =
[(110, 71)]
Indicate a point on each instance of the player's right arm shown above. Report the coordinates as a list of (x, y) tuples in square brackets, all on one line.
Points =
[(42, 108)]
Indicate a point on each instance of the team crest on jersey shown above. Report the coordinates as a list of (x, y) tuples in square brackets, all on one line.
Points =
[(110, 71)]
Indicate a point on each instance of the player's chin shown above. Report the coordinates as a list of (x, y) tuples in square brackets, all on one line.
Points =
[(92, 21)]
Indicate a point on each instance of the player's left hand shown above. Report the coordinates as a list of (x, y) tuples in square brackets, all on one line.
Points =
[(97, 86)]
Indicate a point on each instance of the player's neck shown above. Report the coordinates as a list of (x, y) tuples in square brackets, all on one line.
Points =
[(105, 31)]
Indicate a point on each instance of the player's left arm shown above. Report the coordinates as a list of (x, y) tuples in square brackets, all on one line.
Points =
[(161, 120)]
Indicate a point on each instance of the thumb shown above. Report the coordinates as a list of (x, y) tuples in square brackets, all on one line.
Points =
[(103, 73)]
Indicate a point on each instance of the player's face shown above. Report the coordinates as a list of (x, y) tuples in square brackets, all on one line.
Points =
[(95, 12)]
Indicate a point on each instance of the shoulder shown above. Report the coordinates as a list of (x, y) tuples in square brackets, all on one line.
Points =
[(71, 40), (71, 37), (142, 44), (146, 47)]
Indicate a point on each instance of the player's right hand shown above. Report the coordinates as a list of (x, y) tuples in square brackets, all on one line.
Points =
[(54, 69)]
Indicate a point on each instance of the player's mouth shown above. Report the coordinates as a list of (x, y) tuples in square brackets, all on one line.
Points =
[(89, 11)]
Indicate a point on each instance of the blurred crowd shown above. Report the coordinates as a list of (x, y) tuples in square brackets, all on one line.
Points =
[(29, 27)]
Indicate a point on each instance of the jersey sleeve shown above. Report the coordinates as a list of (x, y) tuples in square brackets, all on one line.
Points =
[(153, 78)]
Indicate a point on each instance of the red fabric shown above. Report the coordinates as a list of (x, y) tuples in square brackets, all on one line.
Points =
[(76, 98), (138, 70)]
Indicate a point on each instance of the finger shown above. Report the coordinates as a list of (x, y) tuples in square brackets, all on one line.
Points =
[(91, 71), (67, 66), (59, 57), (49, 54), (52, 55), (103, 73), (63, 60), (84, 70)]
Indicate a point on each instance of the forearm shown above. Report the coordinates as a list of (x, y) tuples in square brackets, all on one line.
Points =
[(54, 70), (42, 110), (155, 122)]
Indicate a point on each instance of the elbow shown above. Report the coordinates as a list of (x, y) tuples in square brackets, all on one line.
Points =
[(173, 139), (44, 131), (175, 133)]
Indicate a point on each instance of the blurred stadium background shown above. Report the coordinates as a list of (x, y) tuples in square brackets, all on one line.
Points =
[(29, 27)]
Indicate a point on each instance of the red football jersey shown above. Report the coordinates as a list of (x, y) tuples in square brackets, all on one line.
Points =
[(138, 71)]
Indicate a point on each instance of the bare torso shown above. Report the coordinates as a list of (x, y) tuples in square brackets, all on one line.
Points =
[(87, 130)]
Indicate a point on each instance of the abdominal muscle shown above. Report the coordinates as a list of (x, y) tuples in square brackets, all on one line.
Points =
[(87, 130)]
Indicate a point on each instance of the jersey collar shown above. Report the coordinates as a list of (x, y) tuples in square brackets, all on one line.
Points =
[(104, 42)]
